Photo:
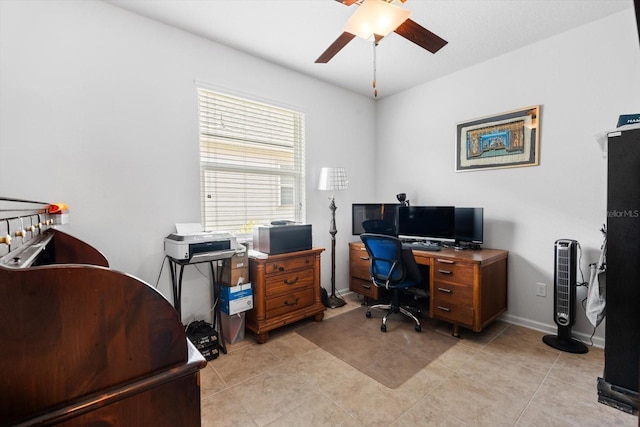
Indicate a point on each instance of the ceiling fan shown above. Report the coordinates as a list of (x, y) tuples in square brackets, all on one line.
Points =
[(378, 18)]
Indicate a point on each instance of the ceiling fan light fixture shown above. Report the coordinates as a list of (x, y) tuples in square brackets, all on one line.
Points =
[(376, 17)]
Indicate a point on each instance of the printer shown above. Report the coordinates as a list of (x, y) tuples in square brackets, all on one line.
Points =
[(200, 246)]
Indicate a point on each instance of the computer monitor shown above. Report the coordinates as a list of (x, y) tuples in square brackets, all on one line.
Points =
[(383, 215), (469, 224), (432, 223)]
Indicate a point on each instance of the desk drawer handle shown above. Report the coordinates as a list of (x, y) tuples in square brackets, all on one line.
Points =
[(439, 307), (445, 290), (444, 271), (291, 282), (366, 286), (364, 258), (292, 303), (446, 261)]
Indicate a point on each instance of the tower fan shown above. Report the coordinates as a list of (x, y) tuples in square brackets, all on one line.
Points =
[(564, 298)]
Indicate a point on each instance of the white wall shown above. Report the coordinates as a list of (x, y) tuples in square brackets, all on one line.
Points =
[(583, 80), (98, 109)]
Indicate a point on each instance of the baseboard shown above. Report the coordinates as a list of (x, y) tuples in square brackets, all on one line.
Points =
[(550, 329)]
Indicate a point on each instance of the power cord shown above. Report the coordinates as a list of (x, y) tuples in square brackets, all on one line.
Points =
[(584, 282), (160, 272)]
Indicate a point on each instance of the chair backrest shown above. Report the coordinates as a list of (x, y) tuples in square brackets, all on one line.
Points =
[(379, 226), (385, 259)]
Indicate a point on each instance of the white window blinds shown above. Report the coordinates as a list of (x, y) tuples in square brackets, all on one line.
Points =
[(251, 163)]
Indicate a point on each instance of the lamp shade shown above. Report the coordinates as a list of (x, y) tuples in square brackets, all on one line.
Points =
[(376, 17), (332, 179)]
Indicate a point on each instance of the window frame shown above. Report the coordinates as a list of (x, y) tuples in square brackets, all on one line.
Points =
[(271, 133)]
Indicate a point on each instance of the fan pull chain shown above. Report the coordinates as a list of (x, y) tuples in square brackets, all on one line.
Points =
[(375, 91)]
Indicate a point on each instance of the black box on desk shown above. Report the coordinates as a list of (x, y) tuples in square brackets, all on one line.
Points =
[(281, 239)]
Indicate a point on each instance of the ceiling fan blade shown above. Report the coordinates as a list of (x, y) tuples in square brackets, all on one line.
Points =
[(335, 47), (424, 38)]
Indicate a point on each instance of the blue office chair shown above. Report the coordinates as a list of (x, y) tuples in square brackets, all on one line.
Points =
[(392, 268)]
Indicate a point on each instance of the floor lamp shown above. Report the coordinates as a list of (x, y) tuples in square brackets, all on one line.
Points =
[(333, 179)]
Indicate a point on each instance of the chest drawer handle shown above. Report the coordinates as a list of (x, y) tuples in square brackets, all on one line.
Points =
[(444, 271), (364, 258), (439, 307), (445, 290), (292, 303), (446, 261), (366, 286), (291, 282)]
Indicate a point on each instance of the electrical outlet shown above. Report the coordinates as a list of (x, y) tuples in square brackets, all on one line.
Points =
[(541, 289)]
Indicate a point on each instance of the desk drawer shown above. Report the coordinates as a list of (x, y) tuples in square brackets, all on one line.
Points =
[(284, 283), (452, 292), (455, 313), (452, 271), (363, 287), (288, 264), (359, 263), (288, 303)]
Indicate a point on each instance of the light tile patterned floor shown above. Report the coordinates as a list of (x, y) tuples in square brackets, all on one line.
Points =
[(503, 376)]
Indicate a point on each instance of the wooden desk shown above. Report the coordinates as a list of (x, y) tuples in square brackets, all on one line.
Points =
[(467, 287)]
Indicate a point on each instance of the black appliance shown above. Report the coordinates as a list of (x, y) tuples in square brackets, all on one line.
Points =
[(565, 280), (281, 239), (619, 386)]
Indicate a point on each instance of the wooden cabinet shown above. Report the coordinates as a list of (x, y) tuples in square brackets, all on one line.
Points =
[(467, 288), (286, 288)]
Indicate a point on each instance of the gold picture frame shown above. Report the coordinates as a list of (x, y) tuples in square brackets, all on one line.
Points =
[(506, 140)]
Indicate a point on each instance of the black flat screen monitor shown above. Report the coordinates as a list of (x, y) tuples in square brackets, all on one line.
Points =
[(426, 222), (469, 225), (375, 218)]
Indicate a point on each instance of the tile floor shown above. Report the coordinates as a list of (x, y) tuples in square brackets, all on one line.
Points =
[(503, 376)]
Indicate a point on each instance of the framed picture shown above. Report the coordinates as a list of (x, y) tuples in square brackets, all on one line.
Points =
[(505, 140)]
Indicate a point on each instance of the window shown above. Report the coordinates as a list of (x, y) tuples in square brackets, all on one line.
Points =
[(251, 163)]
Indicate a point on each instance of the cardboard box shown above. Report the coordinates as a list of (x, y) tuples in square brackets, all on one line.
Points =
[(236, 269), (232, 327), (236, 299), (234, 276)]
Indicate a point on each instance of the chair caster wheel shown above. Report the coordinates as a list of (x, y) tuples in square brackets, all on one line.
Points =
[(368, 314), (383, 328), (418, 328)]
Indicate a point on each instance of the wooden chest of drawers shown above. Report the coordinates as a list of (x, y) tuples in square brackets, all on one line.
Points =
[(286, 288)]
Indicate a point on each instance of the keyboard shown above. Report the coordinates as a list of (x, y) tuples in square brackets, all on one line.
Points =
[(422, 246)]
